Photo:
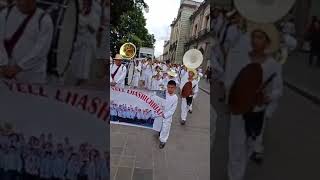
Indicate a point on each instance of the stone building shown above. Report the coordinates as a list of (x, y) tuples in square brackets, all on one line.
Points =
[(200, 35), (180, 28), (166, 50)]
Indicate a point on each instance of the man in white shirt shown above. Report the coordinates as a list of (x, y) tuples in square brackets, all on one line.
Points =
[(170, 106), (118, 72), (25, 39)]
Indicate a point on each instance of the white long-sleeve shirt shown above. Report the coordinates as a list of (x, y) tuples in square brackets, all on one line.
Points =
[(30, 52), (12, 161), (119, 78), (155, 84), (184, 80), (59, 167), (170, 106)]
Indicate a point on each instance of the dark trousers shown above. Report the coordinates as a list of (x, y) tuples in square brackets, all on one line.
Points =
[(312, 55), (31, 177), (189, 100), (254, 123)]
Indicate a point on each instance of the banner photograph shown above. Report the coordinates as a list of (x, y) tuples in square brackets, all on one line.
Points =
[(67, 133), (135, 107)]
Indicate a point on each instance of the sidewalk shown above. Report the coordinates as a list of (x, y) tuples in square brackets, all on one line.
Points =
[(301, 77), (204, 85)]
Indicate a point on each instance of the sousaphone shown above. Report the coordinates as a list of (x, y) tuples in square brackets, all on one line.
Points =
[(263, 11), (128, 51), (192, 59)]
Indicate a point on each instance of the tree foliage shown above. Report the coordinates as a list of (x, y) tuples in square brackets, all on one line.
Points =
[(128, 25)]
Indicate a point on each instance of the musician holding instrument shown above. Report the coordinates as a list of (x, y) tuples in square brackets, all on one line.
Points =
[(136, 74), (25, 39), (118, 72), (253, 98), (188, 88)]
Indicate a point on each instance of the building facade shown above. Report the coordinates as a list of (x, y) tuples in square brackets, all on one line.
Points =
[(180, 29), (200, 35), (166, 47)]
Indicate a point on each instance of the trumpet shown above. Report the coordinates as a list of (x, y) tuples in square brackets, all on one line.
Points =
[(128, 51)]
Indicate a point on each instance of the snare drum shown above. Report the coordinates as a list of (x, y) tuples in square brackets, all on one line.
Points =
[(64, 14)]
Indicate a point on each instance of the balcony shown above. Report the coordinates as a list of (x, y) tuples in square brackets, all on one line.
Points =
[(199, 36), (173, 45)]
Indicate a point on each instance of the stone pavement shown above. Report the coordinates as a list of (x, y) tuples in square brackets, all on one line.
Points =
[(135, 153)]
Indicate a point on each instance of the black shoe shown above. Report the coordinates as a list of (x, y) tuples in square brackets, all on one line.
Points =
[(190, 111), (159, 134), (257, 158), (161, 145), (183, 122)]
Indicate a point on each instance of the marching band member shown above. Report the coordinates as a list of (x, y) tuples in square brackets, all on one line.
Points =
[(156, 82), (118, 72), (85, 46), (170, 107), (246, 130), (172, 75), (148, 71), (46, 165), (188, 89), (136, 74), (25, 40), (195, 92)]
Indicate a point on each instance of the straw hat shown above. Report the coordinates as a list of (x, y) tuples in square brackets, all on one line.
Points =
[(271, 32), (117, 57), (195, 74), (172, 73), (263, 11)]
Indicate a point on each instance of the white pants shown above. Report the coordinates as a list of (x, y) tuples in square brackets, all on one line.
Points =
[(184, 109), (135, 81), (241, 147), (165, 130), (148, 80)]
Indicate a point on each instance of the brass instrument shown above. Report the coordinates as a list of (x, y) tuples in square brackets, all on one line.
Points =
[(128, 51)]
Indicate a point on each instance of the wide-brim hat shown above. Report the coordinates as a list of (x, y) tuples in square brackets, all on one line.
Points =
[(195, 73), (263, 11), (270, 30), (118, 57), (172, 73)]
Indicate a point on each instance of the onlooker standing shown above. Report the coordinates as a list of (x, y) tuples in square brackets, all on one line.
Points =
[(314, 37)]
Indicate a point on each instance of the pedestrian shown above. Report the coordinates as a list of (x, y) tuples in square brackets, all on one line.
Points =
[(314, 38), (247, 129), (170, 106)]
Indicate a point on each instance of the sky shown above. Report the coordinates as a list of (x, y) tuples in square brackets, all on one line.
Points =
[(160, 16)]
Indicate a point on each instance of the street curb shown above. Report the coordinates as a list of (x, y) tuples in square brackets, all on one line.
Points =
[(311, 97), (205, 90)]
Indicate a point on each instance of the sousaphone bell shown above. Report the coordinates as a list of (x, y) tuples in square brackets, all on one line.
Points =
[(193, 59)]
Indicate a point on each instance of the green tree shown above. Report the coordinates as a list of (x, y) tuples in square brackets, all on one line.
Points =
[(128, 25)]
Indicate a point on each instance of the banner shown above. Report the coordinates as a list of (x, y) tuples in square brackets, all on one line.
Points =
[(135, 107), (55, 119)]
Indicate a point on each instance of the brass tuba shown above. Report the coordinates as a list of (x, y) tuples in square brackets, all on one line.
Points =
[(128, 51), (192, 59)]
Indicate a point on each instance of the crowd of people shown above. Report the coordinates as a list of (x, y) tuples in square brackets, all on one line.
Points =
[(44, 158), (133, 115), (25, 49), (155, 75)]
